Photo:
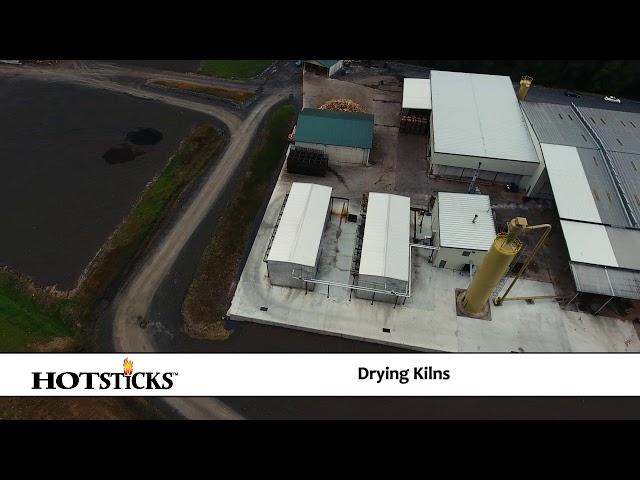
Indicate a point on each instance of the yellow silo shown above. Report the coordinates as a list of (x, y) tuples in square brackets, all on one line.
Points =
[(503, 250), (525, 83)]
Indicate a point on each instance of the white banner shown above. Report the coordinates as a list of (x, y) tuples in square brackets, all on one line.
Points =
[(319, 374)]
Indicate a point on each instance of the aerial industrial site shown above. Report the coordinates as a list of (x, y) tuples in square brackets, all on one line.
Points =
[(311, 206), (441, 199)]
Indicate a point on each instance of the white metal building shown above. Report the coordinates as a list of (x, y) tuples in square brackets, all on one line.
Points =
[(477, 118), (295, 248), (463, 229), (384, 262), (416, 94), (603, 249)]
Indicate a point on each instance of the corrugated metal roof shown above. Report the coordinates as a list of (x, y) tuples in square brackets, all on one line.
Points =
[(600, 245), (456, 212), (614, 282), (627, 167), (324, 63), (625, 244), (479, 115), (298, 236), (329, 127), (416, 93), (557, 124), (588, 243), (385, 246), (618, 131), (604, 193), (571, 190)]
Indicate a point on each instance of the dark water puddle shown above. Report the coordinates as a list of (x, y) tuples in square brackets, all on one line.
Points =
[(125, 153), (121, 154), (144, 136)]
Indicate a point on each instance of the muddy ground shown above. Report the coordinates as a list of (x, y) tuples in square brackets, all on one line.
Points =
[(61, 197), (75, 408)]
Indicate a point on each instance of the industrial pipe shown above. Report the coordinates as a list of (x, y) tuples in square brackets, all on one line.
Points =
[(534, 297), (547, 227), (405, 294)]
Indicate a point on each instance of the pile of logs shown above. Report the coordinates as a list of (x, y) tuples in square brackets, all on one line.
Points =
[(343, 105)]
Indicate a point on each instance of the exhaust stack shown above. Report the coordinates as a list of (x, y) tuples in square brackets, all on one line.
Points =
[(525, 84)]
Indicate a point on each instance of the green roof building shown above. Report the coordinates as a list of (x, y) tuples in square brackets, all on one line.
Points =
[(345, 137)]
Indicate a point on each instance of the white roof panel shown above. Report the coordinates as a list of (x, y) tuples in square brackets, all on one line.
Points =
[(456, 212), (588, 243), (385, 246), (299, 232), (569, 182), (416, 93), (479, 115)]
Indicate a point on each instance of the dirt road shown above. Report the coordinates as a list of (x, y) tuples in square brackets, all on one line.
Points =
[(133, 300)]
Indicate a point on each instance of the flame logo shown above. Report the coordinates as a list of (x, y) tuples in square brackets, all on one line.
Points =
[(128, 367)]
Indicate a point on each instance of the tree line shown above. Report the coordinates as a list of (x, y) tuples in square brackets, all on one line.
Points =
[(612, 77)]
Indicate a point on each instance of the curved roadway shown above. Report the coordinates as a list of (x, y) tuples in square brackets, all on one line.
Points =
[(134, 298)]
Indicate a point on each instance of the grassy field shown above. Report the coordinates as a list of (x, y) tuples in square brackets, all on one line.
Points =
[(234, 69), (30, 317), (234, 95), (209, 295)]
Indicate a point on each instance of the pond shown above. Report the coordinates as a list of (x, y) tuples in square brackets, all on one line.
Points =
[(73, 160)]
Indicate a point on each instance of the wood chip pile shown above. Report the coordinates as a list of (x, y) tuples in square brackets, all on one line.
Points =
[(343, 105)]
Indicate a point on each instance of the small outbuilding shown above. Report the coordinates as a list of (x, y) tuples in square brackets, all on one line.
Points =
[(327, 68), (345, 138), (416, 105), (384, 260), (463, 229), (295, 247)]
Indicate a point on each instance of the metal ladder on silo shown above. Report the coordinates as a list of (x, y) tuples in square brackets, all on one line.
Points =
[(505, 277), (275, 228)]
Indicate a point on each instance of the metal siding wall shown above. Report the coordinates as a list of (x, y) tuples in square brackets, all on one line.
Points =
[(455, 260), (380, 283), (488, 164), (340, 155), (280, 275), (467, 174)]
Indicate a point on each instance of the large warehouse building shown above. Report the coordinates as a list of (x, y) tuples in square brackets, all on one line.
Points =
[(384, 261), (295, 247), (591, 161), (476, 121), (345, 138), (463, 229)]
